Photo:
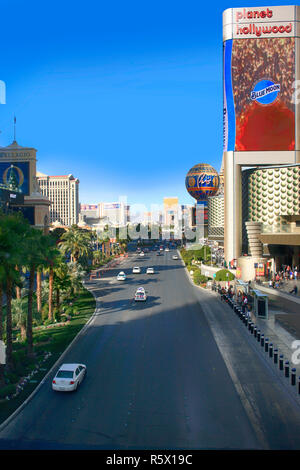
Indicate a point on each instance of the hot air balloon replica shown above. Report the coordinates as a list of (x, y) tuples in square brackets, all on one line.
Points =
[(202, 181)]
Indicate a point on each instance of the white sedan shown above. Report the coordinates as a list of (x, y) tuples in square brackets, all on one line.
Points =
[(142, 253), (121, 276), (68, 377), (140, 295), (136, 270), (150, 271), (174, 257)]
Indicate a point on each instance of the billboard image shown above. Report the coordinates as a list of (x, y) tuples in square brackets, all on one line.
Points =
[(18, 172), (259, 76)]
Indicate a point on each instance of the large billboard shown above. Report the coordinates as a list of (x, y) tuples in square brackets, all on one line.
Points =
[(16, 172), (259, 78)]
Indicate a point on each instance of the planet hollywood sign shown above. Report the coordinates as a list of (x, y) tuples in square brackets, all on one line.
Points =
[(260, 30), (263, 22)]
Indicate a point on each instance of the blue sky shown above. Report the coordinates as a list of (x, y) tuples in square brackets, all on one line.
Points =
[(126, 96)]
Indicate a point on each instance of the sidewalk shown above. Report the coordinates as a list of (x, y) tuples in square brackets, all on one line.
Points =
[(285, 287), (282, 327)]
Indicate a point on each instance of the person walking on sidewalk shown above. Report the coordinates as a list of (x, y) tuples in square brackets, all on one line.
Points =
[(295, 290), (245, 303)]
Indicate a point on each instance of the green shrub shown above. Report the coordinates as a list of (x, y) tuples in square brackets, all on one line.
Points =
[(200, 278), (7, 390), (222, 275), (12, 377), (19, 356)]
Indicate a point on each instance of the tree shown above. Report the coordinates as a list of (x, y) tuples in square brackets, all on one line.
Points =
[(19, 316), (61, 279), (13, 230), (224, 275), (33, 257), (52, 260), (77, 242)]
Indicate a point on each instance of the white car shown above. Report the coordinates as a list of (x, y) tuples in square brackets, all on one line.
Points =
[(142, 253), (136, 270), (167, 249), (174, 257), (140, 289), (121, 276), (68, 377), (140, 295), (150, 271)]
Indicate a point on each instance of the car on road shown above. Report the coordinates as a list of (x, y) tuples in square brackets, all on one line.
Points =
[(140, 295), (140, 289), (174, 257), (136, 270), (150, 271), (121, 276), (68, 377), (158, 253), (142, 254), (167, 249)]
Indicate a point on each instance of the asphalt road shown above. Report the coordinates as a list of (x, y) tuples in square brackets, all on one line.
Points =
[(176, 372)]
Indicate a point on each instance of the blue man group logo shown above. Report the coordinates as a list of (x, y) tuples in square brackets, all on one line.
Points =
[(265, 92)]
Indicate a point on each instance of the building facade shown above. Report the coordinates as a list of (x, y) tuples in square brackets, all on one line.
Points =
[(63, 192), (261, 127), (171, 211), (216, 218), (18, 163), (118, 213)]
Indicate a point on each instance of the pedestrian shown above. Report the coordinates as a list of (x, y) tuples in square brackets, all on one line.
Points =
[(294, 290)]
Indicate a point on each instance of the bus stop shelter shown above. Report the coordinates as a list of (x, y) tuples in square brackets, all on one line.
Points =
[(260, 304)]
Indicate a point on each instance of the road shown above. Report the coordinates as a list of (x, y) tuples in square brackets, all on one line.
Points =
[(176, 372)]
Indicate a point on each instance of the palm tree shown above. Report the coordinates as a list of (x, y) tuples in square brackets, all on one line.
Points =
[(77, 274), (33, 250), (51, 260), (19, 316), (77, 242), (13, 229), (61, 279)]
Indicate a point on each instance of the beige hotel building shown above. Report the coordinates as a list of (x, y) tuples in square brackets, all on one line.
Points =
[(63, 192)]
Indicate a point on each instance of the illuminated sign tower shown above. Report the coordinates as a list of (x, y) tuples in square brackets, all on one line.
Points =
[(261, 111)]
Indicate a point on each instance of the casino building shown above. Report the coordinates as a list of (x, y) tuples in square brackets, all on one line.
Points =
[(18, 164), (63, 192), (261, 138)]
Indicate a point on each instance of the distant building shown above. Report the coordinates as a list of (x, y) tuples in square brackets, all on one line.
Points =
[(188, 215), (104, 214), (216, 218), (63, 192), (116, 212), (171, 211)]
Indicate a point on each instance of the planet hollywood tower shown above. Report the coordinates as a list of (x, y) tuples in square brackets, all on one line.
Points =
[(261, 73)]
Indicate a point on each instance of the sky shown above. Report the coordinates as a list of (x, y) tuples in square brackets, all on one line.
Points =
[(126, 96)]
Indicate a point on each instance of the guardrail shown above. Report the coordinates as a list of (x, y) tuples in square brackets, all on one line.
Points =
[(267, 347)]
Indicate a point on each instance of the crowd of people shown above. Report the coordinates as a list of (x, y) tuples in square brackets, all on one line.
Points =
[(286, 274), (240, 297)]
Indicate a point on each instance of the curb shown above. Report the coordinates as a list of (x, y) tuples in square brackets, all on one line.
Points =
[(50, 371)]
